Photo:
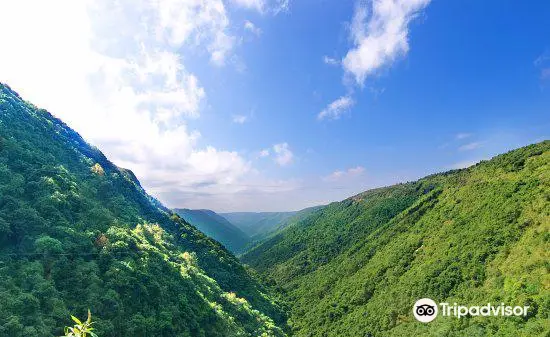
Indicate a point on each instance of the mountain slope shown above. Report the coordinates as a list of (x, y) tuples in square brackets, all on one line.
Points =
[(470, 236), (273, 230), (216, 227), (260, 225), (79, 233), (257, 223)]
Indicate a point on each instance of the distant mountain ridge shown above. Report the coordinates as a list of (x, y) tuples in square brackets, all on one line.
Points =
[(260, 225), (257, 223), (217, 227)]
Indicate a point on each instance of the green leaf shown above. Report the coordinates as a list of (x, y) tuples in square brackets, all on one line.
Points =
[(76, 320)]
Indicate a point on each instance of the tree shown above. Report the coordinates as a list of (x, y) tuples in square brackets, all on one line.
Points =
[(48, 247)]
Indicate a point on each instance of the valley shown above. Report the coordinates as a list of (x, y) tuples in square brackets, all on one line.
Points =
[(79, 233)]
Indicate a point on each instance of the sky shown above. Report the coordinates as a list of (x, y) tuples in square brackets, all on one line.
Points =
[(274, 105)]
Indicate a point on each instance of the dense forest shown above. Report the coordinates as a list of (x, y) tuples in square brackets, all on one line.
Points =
[(216, 227), (79, 233), (472, 236), (257, 224), (261, 225)]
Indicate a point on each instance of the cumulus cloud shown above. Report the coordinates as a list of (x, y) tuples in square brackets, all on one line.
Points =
[(264, 153), (114, 72), (283, 154), (251, 4), (341, 175), (264, 6), (281, 6), (335, 109), (251, 27), (381, 37), (379, 31)]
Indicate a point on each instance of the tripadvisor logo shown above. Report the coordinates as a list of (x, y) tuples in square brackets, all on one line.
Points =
[(426, 310)]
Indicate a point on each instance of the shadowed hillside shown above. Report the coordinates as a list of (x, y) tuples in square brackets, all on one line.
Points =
[(216, 227)]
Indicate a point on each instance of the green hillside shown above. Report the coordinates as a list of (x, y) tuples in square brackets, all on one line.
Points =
[(256, 224), (79, 233), (260, 225), (216, 227), (472, 236)]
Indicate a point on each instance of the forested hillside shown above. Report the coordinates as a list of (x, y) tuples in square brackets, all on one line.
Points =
[(256, 223), (216, 227), (472, 236), (79, 233), (260, 225)]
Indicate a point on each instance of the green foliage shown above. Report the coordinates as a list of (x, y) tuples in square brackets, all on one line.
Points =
[(473, 236), (48, 246), (216, 227), (257, 224), (78, 232), (80, 329)]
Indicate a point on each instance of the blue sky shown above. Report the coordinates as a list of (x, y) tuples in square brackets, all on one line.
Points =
[(248, 105)]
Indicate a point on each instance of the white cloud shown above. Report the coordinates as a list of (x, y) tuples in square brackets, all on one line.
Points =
[(463, 135), (264, 153), (543, 64), (283, 155), (264, 6), (239, 119), (541, 59), (470, 146), (381, 37), (114, 72), (349, 173), (330, 61), (252, 28), (335, 109), (251, 4)]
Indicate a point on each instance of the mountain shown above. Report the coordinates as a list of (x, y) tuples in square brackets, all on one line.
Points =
[(216, 227), (259, 225), (77, 233), (473, 236)]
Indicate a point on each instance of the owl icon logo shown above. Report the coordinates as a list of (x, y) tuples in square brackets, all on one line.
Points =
[(425, 310)]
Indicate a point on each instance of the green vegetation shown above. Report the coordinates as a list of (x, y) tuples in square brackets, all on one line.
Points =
[(472, 236), (261, 225), (216, 227), (257, 223), (79, 233), (80, 329)]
